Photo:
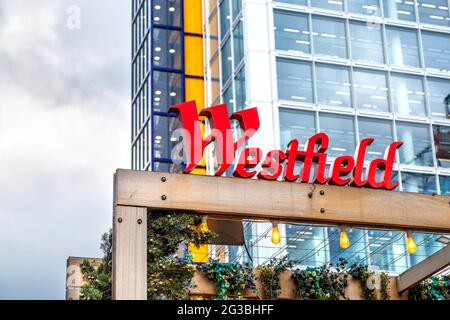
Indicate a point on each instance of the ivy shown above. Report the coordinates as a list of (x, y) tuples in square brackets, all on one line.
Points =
[(269, 277), (384, 291), (366, 278), (321, 283), (230, 279)]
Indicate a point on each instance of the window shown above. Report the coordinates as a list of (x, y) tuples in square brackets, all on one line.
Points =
[(227, 67), (418, 182), (167, 90), (306, 244), (371, 91), (296, 124), (416, 148), (333, 85), (238, 44), (445, 185), (163, 142), (240, 89), (381, 131), (366, 42), (402, 46), (327, 4), (408, 94), (329, 37), (228, 99), (300, 2), (427, 244), (367, 7), (399, 10), (434, 12), (167, 48), (438, 90), (341, 131), (167, 167), (442, 145), (236, 7), (167, 12), (225, 18), (294, 80), (355, 253), (436, 50), (291, 32), (386, 250)]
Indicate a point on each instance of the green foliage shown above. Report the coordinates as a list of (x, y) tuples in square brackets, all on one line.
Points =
[(269, 276), (433, 288), (321, 283), (168, 276), (384, 291), (230, 279), (98, 277), (365, 276)]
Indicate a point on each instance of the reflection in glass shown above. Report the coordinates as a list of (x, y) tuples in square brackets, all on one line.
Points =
[(167, 48), (418, 182), (403, 48), (408, 94), (296, 124), (367, 7), (166, 12), (327, 4), (291, 31), (294, 80), (441, 136), (225, 18), (167, 90), (333, 85), (236, 7), (240, 89), (227, 67), (228, 99), (163, 142), (341, 131), (329, 37), (238, 44), (436, 50), (416, 148), (438, 90), (381, 131), (434, 12), (399, 10), (366, 42), (371, 92), (353, 254), (306, 244), (167, 167), (300, 2), (426, 246), (386, 250), (445, 185)]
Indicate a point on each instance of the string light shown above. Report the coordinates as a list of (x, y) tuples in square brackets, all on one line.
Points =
[(344, 241), (203, 227), (276, 238), (410, 243)]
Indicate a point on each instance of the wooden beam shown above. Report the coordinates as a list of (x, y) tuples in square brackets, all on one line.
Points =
[(431, 265), (129, 253), (283, 200)]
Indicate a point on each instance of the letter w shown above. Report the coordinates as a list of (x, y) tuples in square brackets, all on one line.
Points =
[(193, 143)]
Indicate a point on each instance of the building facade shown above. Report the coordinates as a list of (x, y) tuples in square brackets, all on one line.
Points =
[(350, 68)]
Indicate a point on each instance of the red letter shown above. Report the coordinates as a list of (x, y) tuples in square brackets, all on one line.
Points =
[(386, 165), (272, 166), (292, 155), (359, 166), (246, 163), (319, 158), (341, 167)]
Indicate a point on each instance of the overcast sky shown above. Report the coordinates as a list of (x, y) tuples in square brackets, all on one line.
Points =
[(64, 129)]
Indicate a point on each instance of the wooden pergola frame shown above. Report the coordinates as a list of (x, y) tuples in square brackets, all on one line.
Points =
[(137, 192)]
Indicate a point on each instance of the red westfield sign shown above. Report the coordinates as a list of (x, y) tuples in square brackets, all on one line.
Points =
[(278, 163)]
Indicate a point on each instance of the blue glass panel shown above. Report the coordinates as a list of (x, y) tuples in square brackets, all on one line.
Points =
[(296, 124), (418, 182), (367, 7), (333, 85), (381, 131), (403, 47), (436, 50), (399, 10), (329, 37), (371, 92), (416, 148), (441, 136), (291, 31), (294, 80), (366, 42), (408, 94), (341, 131), (434, 12)]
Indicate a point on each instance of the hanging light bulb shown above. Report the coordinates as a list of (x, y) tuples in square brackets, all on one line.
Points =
[(344, 241), (276, 238), (410, 243), (203, 227)]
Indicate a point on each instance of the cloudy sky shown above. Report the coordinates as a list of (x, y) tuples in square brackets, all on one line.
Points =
[(64, 129)]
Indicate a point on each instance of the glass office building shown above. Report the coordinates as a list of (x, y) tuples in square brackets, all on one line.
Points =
[(353, 69)]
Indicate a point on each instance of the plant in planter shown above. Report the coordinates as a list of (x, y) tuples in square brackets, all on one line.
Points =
[(366, 278), (433, 288), (384, 291), (321, 283), (230, 279), (269, 276)]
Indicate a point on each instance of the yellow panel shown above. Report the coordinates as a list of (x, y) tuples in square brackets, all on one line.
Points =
[(200, 253), (195, 91), (193, 52), (193, 16)]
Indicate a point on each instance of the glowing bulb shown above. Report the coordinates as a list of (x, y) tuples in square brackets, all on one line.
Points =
[(276, 238), (344, 241), (203, 227), (410, 243)]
